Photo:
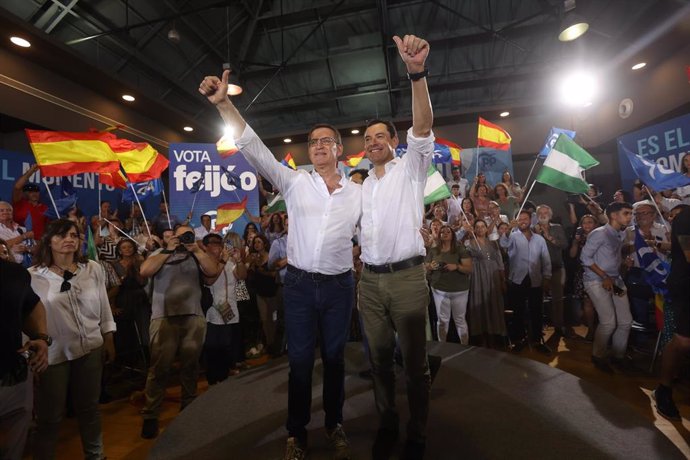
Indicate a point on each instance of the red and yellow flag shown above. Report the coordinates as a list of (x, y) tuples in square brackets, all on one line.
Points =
[(492, 136), (353, 160), (140, 161), (289, 161), (61, 153), (226, 146), (229, 212), (117, 179), (454, 150)]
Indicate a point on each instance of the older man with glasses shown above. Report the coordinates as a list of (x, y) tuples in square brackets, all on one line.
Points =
[(324, 207), (14, 235)]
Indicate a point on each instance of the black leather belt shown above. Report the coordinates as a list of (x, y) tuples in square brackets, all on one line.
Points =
[(396, 266), (317, 276)]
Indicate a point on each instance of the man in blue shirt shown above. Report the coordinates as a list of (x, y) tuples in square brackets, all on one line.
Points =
[(601, 258), (529, 275)]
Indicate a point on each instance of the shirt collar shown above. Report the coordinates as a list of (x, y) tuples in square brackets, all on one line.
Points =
[(317, 177), (388, 166)]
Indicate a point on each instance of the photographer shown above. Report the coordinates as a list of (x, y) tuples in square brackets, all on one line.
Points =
[(177, 320)]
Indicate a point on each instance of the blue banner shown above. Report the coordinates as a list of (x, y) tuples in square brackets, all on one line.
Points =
[(491, 162), (14, 164), (552, 138), (664, 144), (200, 165), (652, 174)]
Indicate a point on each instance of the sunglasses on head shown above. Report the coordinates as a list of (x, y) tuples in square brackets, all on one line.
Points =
[(66, 285)]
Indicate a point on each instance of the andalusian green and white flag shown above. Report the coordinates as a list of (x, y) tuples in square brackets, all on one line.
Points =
[(564, 165), (277, 204), (435, 188)]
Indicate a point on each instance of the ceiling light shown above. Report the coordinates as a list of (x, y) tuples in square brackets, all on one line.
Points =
[(578, 89), (573, 27), (189, 129), (504, 114), (639, 65), (355, 131), (287, 140), (128, 98), (20, 42)]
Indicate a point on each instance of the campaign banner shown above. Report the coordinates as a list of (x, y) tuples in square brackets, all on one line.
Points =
[(493, 163), (220, 180), (664, 143), (14, 164)]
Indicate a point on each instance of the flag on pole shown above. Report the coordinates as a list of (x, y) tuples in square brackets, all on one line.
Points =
[(435, 188), (229, 212), (288, 161), (143, 190), (65, 198), (564, 166), (61, 153), (353, 160), (277, 204), (140, 161), (453, 148), (91, 251), (552, 138), (653, 174), (117, 179), (491, 135)]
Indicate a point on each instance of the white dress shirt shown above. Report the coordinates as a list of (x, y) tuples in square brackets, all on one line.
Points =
[(11, 232), (322, 224), (454, 208), (78, 317), (393, 206), (224, 289), (200, 232)]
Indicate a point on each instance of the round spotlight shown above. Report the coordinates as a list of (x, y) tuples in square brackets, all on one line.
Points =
[(189, 129), (287, 140), (639, 65), (20, 42), (578, 89), (504, 114), (128, 98), (355, 131), (574, 27)]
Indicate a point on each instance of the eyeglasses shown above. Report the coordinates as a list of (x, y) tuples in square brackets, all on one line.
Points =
[(66, 286), (325, 141)]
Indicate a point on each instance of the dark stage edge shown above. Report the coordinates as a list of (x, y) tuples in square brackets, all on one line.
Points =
[(484, 405)]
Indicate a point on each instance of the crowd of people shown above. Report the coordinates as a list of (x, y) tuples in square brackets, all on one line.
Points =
[(485, 260)]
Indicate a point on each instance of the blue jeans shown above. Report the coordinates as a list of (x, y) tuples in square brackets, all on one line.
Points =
[(316, 306)]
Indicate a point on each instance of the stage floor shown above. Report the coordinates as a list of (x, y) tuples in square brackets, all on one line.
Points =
[(485, 404)]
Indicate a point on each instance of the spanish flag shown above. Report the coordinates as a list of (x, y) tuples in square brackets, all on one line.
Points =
[(353, 160), (492, 136), (140, 161), (226, 146), (454, 150), (288, 161), (61, 153), (229, 212), (117, 179)]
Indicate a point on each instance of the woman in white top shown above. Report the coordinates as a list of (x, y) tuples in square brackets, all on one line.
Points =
[(81, 325), (223, 334)]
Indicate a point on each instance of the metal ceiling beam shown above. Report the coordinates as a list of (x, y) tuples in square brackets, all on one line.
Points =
[(66, 10), (382, 8)]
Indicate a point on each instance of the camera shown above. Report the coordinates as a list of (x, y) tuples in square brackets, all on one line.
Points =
[(229, 245), (579, 232), (187, 238)]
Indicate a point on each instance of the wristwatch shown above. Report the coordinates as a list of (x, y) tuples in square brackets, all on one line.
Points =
[(45, 337), (418, 75)]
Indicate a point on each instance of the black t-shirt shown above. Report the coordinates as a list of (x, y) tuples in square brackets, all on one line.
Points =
[(680, 268), (18, 301)]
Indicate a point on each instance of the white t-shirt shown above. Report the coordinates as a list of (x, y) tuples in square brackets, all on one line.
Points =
[(222, 289)]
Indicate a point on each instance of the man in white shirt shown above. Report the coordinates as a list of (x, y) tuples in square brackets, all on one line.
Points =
[(393, 293), (324, 207), (453, 204), (204, 229)]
